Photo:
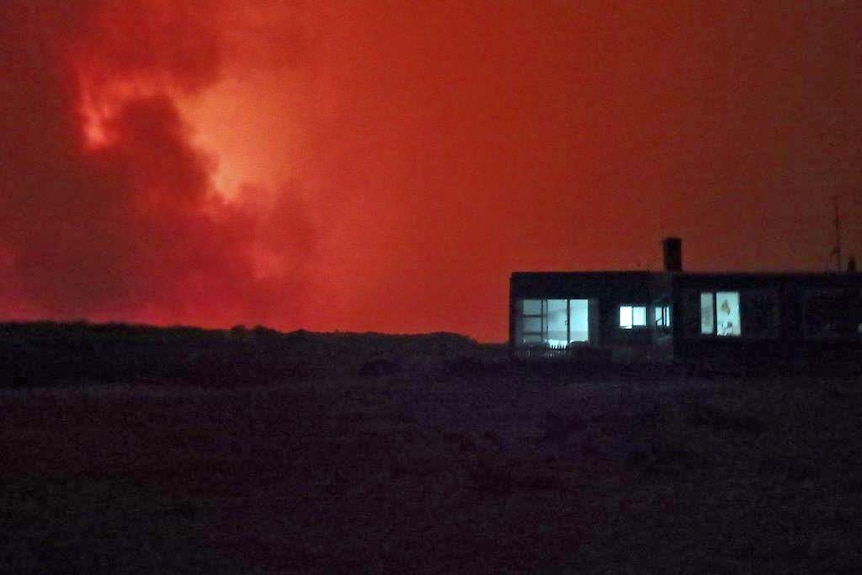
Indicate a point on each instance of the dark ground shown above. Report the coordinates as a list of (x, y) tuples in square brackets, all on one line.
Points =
[(431, 465)]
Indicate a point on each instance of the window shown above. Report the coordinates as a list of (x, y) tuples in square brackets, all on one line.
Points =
[(727, 313), (707, 313), (533, 320), (632, 316), (719, 313), (579, 320), (556, 322), (662, 315), (553, 323), (532, 307)]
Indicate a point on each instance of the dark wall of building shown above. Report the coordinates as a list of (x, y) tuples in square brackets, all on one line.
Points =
[(781, 316), (787, 318), (606, 291)]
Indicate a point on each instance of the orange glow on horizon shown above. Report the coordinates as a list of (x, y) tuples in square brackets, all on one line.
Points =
[(379, 167)]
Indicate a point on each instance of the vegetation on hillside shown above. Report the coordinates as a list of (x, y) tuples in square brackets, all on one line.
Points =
[(48, 353)]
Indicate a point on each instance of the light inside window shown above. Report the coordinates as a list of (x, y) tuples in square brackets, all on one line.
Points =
[(532, 307), (707, 313), (632, 316), (719, 313), (727, 313), (662, 316), (579, 327), (556, 323)]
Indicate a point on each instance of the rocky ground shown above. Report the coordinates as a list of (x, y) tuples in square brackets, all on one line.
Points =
[(453, 470)]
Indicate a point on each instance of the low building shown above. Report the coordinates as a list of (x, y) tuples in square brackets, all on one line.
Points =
[(679, 316)]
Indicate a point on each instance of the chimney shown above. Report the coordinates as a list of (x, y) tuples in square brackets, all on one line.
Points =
[(672, 254)]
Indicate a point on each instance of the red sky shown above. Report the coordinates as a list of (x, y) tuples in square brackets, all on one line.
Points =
[(384, 166)]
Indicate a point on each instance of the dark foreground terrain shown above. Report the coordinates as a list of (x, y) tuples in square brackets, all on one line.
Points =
[(431, 457)]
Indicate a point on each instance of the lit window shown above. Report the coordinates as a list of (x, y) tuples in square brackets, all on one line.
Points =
[(532, 307), (632, 316), (707, 313), (662, 316), (727, 313), (719, 313), (553, 323)]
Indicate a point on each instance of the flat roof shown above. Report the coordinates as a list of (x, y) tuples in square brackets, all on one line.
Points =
[(594, 283)]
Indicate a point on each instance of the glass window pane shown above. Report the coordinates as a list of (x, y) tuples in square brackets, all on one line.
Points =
[(533, 324), (579, 320), (662, 315), (557, 321), (639, 315), (626, 316), (707, 314), (727, 313), (532, 307)]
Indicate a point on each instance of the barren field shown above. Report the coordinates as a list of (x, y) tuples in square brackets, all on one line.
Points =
[(489, 471)]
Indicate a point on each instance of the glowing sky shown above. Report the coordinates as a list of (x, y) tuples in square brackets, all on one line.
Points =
[(386, 165)]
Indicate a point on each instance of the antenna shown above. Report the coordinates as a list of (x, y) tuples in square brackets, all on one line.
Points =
[(836, 251)]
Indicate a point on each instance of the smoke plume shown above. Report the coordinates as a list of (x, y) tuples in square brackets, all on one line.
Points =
[(108, 210)]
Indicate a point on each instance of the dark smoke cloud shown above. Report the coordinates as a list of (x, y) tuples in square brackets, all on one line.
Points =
[(384, 166), (130, 227)]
